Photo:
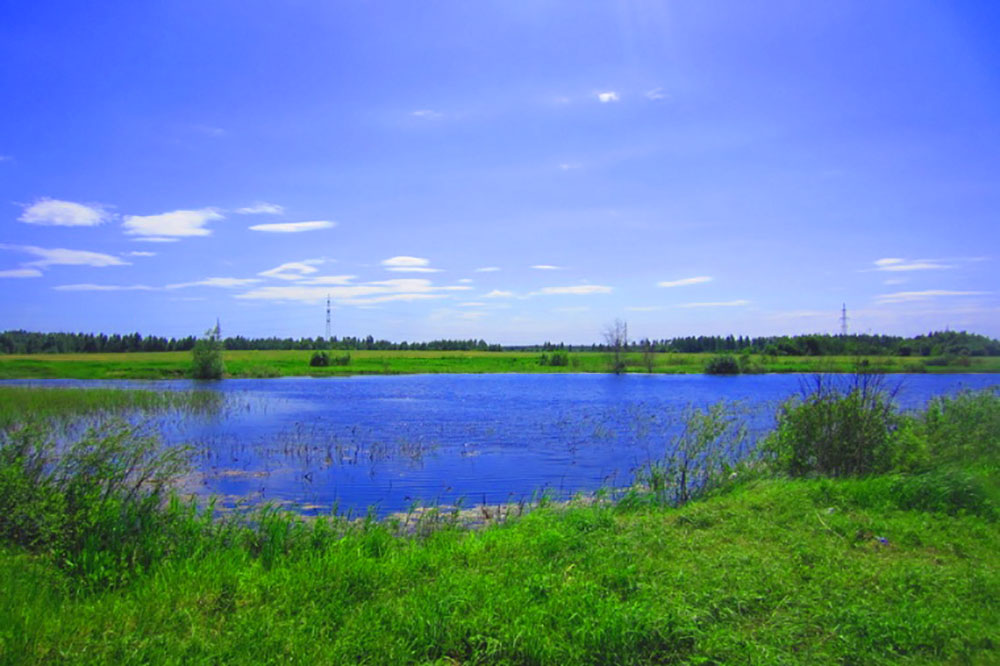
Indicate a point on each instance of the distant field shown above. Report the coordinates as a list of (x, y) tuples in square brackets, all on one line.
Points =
[(174, 365)]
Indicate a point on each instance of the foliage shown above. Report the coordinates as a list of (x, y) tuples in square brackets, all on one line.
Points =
[(206, 357), (722, 364), (699, 457), (319, 359), (558, 359), (844, 428), (616, 343)]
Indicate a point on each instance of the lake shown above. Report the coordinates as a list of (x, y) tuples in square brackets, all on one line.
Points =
[(391, 442)]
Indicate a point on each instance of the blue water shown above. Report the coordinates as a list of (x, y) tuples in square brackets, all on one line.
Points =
[(390, 442)]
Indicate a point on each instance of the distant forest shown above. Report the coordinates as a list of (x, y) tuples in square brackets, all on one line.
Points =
[(933, 344)]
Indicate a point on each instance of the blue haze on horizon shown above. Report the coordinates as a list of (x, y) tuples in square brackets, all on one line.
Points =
[(513, 171)]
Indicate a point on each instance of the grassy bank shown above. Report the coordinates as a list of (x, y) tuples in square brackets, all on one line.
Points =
[(174, 365), (779, 564)]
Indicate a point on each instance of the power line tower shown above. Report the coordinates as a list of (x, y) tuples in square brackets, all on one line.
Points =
[(328, 317), (843, 320)]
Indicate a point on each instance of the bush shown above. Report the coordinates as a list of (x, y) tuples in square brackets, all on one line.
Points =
[(206, 356), (341, 360), (963, 428), (844, 431), (95, 505), (560, 359), (723, 364), (319, 360)]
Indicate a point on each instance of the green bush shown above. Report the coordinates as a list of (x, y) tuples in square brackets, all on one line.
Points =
[(963, 428), (722, 364), (844, 431), (319, 359), (95, 505), (206, 356)]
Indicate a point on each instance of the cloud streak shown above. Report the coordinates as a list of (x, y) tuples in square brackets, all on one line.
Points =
[(909, 296), (64, 257), (260, 208), (294, 227), (575, 290), (716, 304), (684, 282), (893, 264)]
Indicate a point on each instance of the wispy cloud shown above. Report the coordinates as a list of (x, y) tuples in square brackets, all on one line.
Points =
[(427, 114), (6, 158), (21, 273), (53, 212), (140, 253), (644, 308), (684, 281), (487, 269), (209, 130), (260, 208), (294, 227), (224, 282), (896, 264), (409, 265), (908, 296), (499, 293), (655, 94), (569, 166), (103, 287), (546, 267), (176, 224), (293, 270), (575, 290), (328, 279), (155, 239), (715, 304), (608, 96), (472, 304), (383, 291), (63, 257)]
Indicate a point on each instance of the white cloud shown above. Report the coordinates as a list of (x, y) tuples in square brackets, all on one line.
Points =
[(908, 296), (546, 267), (294, 227), (655, 94), (179, 223), (487, 269), (427, 114), (53, 212), (293, 270), (608, 96), (409, 265), (260, 208), (466, 280), (471, 304), (21, 273), (103, 287), (644, 308), (408, 289), (139, 253), (895, 264), (576, 290), (715, 304), (499, 293), (224, 282), (155, 239), (328, 279), (685, 281), (63, 257)]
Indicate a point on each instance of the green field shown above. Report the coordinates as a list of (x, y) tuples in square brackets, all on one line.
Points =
[(902, 566), (174, 365)]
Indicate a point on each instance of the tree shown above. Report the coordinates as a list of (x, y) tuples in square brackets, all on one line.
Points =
[(616, 341), (206, 356)]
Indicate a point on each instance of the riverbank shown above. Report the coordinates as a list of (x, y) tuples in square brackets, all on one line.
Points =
[(896, 566), (177, 365)]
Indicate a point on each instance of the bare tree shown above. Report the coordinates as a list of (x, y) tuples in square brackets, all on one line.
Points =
[(648, 355), (616, 341)]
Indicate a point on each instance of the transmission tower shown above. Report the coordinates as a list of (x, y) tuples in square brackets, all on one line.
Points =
[(328, 317), (843, 320)]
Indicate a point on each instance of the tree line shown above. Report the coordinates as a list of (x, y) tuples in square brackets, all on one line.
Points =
[(938, 343)]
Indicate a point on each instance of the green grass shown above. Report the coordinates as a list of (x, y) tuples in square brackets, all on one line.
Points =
[(763, 574), (174, 365)]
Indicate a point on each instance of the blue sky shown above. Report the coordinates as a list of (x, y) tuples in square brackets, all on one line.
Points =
[(514, 171)]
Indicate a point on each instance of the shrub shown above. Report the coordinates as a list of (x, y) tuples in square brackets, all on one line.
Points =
[(319, 359), (844, 431), (341, 360), (560, 359), (206, 356), (963, 428), (722, 364)]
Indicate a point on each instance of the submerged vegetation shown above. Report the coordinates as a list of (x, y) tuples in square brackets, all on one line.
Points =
[(856, 534)]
